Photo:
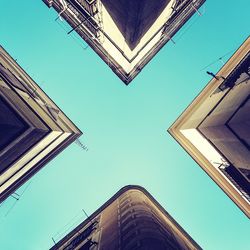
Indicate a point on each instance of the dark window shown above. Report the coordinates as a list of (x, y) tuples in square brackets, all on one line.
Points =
[(237, 179), (81, 237), (87, 245)]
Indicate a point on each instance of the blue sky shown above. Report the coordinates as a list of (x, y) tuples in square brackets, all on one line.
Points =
[(125, 127)]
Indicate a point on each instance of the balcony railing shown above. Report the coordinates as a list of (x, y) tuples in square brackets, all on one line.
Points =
[(89, 6), (85, 17)]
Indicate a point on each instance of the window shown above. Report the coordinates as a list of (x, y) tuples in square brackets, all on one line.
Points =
[(87, 245), (81, 237)]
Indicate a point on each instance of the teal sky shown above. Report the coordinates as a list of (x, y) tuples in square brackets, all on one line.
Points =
[(125, 127)]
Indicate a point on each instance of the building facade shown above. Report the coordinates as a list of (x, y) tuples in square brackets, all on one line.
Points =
[(125, 34), (131, 220), (215, 128), (33, 130)]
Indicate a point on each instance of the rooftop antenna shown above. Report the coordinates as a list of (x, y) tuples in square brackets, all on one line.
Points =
[(199, 13), (87, 216), (53, 240), (170, 38), (16, 196), (81, 145), (85, 213)]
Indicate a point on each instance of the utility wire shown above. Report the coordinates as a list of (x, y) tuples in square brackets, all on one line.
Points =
[(17, 197), (60, 23), (66, 228), (219, 59), (192, 23)]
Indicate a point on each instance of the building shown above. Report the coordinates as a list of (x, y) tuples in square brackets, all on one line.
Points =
[(215, 128), (126, 34), (131, 220), (33, 130)]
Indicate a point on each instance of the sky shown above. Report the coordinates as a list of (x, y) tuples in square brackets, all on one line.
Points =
[(124, 127)]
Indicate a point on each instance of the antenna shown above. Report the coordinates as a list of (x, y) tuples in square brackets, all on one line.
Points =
[(53, 240), (199, 13), (15, 195), (85, 213), (81, 145)]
